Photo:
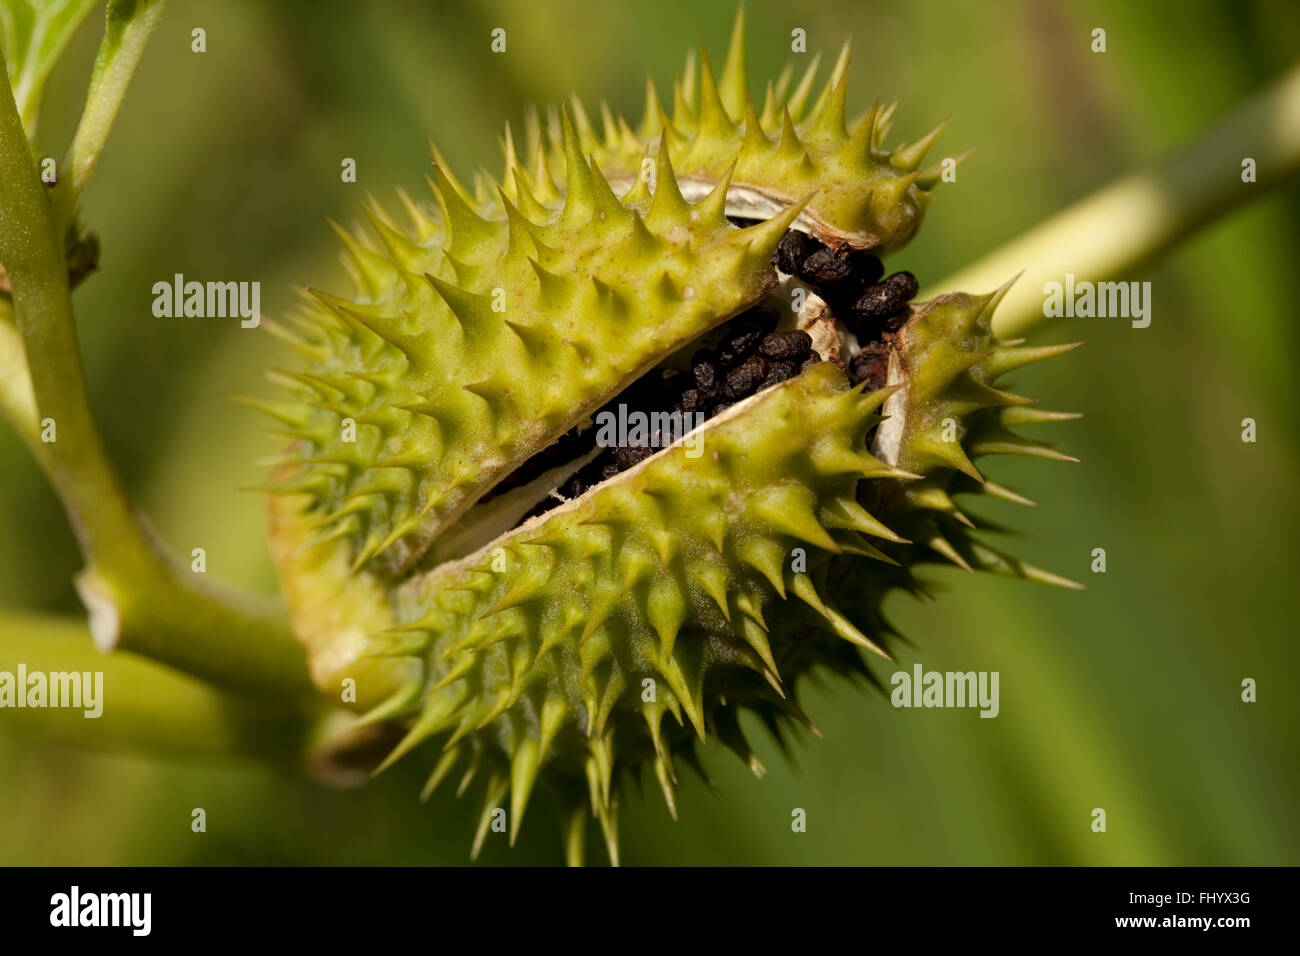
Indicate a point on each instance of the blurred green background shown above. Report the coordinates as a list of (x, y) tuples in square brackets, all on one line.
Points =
[(1125, 696)]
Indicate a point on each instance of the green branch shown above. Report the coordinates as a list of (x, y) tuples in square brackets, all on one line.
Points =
[(1132, 222), (128, 25), (144, 707), (16, 402), (138, 597)]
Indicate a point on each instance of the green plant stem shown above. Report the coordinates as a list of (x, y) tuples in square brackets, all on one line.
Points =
[(16, 401), (125, 36), (146, 707), (139, 598), (1128, 224)]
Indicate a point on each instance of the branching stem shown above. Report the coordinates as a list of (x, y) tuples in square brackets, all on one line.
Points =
[(139, 598)]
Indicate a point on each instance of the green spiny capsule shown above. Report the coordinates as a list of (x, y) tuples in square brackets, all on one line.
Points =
[(539, 612)]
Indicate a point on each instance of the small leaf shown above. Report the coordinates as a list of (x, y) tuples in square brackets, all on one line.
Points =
[(34, 34)]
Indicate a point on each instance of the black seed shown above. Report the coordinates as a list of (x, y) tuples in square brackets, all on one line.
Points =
[(792, 250), (744, 380), (907, 282), (825, 268), (878, 301), (786, 345), (871, 365), (742, 338), (704, 369), (886, 298), (779, 372), (608, 472), (690, 400)]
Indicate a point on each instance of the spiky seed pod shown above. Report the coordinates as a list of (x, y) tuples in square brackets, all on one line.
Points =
[(537, 640), (459, 362)]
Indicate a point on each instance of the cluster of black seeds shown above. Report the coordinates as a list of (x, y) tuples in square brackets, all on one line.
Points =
[(750, 355), (839, 276), (850, 281)]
